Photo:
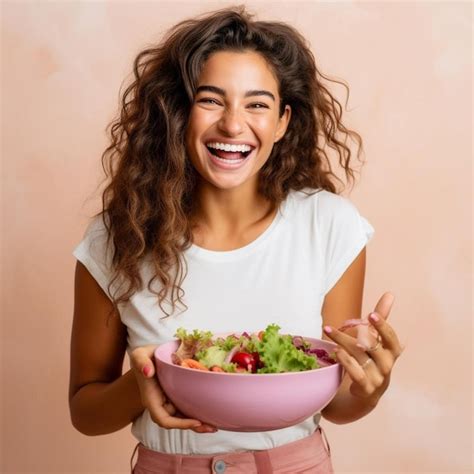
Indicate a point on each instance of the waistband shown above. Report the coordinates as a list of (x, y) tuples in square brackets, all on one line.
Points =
[(267, 461)]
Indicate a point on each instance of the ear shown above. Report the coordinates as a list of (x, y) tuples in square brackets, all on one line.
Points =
[(283, 122)]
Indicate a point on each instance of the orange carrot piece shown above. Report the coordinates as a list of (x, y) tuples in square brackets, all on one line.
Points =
[(216, 368), (193, 364)]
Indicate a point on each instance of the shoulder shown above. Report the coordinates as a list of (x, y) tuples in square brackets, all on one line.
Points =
[(331, 215), (324, 205), (96, 226), (95, 246), (334, 208), (96, 233)]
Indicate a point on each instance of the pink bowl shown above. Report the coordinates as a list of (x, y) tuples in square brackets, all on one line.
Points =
[(248, 402)]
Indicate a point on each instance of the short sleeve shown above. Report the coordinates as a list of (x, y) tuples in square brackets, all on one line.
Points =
[(94, 253), (344, 233)]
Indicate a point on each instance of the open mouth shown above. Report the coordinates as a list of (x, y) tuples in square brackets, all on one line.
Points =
[(229, 151), (229, 155)]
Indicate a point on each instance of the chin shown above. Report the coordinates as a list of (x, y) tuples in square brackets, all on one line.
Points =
[(226, 185)]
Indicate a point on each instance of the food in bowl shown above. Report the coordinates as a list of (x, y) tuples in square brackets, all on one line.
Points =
[(263, 353), (248, 400)]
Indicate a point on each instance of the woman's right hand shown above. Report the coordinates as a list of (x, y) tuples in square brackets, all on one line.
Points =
[(162, 411)]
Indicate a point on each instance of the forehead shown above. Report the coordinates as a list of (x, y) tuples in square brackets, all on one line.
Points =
[(238, 71)]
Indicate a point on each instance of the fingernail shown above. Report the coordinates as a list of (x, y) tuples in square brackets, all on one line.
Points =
[(360, 346), (146, 370), (197, 424), (327, 329), (373, 317)]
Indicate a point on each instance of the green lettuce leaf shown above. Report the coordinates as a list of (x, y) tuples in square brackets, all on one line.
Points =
[(211, 356), (229, 367), (191, 343), (279, 354), (228, 343)]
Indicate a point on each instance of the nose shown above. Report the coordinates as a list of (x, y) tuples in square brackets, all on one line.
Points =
[(231, 122)]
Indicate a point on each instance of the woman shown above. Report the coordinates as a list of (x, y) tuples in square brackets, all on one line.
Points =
[(222, 214)]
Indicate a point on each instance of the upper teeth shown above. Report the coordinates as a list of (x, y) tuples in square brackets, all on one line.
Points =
[(227, 147)]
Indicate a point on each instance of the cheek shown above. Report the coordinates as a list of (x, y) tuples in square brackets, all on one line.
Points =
[(266, 128), (193, 123), (200, 120)]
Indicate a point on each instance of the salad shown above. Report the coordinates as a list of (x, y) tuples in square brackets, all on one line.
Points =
[(267, 352)]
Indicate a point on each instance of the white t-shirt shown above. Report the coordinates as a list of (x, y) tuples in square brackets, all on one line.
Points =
[(281, 277)]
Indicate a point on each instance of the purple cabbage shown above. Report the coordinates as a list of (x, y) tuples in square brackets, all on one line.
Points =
[(321, 355)]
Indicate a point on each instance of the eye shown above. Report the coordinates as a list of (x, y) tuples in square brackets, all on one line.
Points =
[(208, 100), (259, 105)]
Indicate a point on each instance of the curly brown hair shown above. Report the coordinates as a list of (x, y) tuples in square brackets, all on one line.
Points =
[(148, 203)]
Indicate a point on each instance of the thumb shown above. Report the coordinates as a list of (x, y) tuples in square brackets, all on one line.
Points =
[(141, 360), (384, 305)]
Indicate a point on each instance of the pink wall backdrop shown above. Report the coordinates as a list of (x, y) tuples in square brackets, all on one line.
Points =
[(409, 68)]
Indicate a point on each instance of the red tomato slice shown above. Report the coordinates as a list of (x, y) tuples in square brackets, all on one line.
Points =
[(245, 360)]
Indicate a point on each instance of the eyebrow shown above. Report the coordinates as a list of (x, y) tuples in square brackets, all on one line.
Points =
[(251, 93)]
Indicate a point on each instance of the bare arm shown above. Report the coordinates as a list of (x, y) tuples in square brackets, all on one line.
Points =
[(101, 399), (367, 372), (344, 301)]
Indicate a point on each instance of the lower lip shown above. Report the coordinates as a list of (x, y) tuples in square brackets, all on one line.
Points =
[(228, 164)]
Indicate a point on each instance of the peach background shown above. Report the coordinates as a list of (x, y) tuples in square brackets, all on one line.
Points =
[(409, 68)]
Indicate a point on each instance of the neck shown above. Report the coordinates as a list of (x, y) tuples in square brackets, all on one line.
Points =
[(226, 211)]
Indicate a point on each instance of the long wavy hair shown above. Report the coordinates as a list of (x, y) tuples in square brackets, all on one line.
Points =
[(148, 201)]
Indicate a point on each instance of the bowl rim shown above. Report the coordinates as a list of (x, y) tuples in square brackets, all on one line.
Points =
[(233, 374)]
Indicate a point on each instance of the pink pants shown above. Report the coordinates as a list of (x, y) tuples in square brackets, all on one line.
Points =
[(309, 455)]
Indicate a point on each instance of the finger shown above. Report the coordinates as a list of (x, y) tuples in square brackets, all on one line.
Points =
[(163, 416), (204, 428), (160, 409), (358, 374), (141, 360), (382, 358), (175, 414), (347, 342), (367, 335), (384, 305), (173, 422), (389, 336)]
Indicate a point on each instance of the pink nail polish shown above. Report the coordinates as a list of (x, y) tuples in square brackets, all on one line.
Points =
[(327, 329), (146, 370), (374, 317)]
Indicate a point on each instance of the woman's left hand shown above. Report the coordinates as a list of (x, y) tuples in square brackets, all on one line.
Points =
[(369, 368)]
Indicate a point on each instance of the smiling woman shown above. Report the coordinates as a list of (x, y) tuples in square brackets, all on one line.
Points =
[(236, 105), (222, 213)]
